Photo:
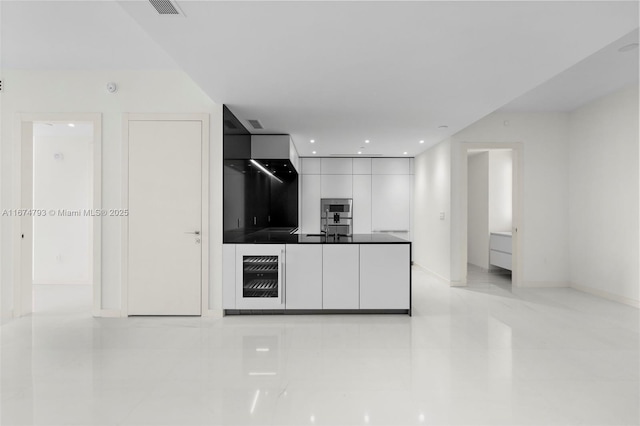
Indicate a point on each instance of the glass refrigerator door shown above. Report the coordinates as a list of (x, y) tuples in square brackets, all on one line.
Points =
[(260, 276)]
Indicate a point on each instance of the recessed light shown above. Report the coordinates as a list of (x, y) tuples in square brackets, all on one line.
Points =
[(367, 141), (359, 152), (312, 141), (404, 153), (313, 152), (629, 47), (444, 126), (71, 125), (421, 141)]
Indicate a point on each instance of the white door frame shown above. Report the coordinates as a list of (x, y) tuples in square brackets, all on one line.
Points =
[(517, 205), (204, 119), (23, 158)]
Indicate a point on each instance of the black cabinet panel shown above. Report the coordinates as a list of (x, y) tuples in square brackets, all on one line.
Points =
[(253, 200)]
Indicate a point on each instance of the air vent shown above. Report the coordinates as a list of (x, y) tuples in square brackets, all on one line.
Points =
[(165, 7), (230, 124), (256, 124)]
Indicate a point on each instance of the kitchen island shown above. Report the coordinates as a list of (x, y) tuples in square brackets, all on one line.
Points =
[(277, 272)]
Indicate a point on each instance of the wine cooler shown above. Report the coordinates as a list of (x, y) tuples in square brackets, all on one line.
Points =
[(260, 276)]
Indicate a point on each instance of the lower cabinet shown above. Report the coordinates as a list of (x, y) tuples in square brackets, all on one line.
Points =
[(316, 276), (228, 276), (303, 283), (384, 276), (340, 276)]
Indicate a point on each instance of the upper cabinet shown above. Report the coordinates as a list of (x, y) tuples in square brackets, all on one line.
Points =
[(336, 166), (362, 166), (310, 166), (381, 189), (391, 203), (336, 186), (391, 166), (310, 204)]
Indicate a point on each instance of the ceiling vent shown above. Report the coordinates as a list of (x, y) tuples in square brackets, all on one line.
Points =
[(256, 124), (165, 7)]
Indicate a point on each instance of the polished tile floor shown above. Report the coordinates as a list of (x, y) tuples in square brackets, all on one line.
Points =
[(478, 355)]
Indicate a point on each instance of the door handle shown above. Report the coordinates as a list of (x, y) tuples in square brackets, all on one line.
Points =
[(194, 232), (283, 289)]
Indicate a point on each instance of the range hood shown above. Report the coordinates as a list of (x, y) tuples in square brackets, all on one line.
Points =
[(274, 147)]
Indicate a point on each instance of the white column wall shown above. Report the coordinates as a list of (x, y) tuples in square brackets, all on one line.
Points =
[(603, 197)]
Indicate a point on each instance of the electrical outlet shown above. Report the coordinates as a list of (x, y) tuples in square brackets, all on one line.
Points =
[(0, 85)]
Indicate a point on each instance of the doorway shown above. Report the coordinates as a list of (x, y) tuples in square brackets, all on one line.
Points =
[(58, 244), (508, 244), (489, 217)]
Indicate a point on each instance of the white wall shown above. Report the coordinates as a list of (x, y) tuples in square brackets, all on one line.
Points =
[(543, 229), (580, 192), (500, 190), (432, 196), (603, 196), (84, 91), (61, 180), (478, 209)]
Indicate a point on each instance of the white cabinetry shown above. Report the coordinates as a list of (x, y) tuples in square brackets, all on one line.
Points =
[(316, 276), (340, 276), (381, 189), (336, 166), (310, 223), (310, 166), (384, 276), (391, 166), (362, 166), (303, 276), (228, 276), (361, 204), (336, 186), (500, 249), (390, 203)]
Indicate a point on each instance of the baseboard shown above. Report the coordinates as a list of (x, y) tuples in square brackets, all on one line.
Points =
[(481, 268), (543, 284), (213, 313), (607, 295), (439, 277), (108, 313)]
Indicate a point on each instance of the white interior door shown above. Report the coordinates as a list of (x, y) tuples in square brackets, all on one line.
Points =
[(165, 223)]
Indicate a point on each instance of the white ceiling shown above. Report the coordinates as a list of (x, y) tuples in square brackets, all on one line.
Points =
[(600, 74), (78, 35), (336, 72)]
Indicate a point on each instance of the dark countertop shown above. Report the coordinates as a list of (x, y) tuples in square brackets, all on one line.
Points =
[(267, 237)]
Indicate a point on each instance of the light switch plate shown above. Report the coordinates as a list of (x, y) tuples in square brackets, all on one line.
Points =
[(441, 215)]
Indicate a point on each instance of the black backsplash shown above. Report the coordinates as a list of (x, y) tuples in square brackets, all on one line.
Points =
[(252, 199)]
